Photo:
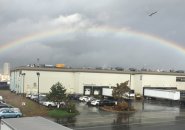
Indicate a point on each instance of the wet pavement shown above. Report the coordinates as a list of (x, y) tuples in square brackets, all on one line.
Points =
[(150, 115)]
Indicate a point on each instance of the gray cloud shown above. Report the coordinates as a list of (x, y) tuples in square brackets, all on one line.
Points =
[(79, 48)]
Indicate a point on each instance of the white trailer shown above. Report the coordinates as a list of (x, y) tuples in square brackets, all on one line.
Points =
[(170, 94), (108, 92), (164, 94)]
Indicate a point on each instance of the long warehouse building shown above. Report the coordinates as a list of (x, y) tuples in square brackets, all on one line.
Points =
[(88, 81)]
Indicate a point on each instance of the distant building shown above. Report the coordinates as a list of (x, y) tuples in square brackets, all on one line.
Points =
[(6, 69), (5, 77), (89, 81)]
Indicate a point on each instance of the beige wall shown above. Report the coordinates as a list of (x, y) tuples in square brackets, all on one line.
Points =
[(159, 81), (46, 80), (101, 79), (75, 81), (162, 81), (137, 83)]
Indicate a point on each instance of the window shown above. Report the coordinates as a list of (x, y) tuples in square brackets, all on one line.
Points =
[(180, 79)]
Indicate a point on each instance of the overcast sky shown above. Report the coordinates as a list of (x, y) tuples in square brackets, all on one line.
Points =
[(84, 48)]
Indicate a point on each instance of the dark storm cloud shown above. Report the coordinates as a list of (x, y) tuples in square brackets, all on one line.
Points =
[(19, 18)]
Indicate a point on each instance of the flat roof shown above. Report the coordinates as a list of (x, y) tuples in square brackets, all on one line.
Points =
[(33, 123), (95, 71)]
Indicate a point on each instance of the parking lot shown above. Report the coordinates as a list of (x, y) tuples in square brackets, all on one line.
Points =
[(27, 107), (149, 115)]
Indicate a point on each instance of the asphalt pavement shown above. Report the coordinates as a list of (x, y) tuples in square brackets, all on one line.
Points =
[(149, 115)]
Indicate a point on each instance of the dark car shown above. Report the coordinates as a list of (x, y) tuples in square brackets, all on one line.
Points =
[(74, 96), (2, 105), (106, 103)]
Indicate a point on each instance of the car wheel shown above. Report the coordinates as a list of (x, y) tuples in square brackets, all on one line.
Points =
[(2, 117), (18, 116)]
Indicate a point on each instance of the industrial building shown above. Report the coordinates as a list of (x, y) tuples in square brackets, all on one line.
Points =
[(6, 69), (89, 81)]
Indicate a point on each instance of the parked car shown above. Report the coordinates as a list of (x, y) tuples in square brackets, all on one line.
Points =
[(15, 109), (35, 96), (11, 108), (28, 95), (41, 98), (3, 105), (9, 114), (83, 98), (129, 95), (1, 98), (74, 96), (2, 102), (107, 102), (95, 102), (90, 100), (49, 104), (52, 104)]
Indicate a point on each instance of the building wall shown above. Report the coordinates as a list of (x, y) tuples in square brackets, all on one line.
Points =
[(74, 82), (162, 81), (46, 80), (100, 79), (6, 69), (137, 81)]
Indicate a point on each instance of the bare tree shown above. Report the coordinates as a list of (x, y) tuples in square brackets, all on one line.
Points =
[(119, 91)]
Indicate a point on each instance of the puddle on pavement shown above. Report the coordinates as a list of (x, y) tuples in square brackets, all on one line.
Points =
[(146, 112)]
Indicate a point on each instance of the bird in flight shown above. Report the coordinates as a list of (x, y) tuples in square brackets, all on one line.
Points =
[(152, 13)]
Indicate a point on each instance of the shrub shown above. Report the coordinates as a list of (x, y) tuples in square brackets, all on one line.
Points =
[(121, 106), (71, 107)]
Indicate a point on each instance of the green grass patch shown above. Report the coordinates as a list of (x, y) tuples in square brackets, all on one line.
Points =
[(60, 113)]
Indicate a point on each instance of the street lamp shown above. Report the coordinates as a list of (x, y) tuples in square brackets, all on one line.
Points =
[(23, 75), (38, 75), (129, 105)]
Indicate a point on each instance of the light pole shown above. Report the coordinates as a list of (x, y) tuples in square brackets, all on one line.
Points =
[(23, 75), (129, 91), (38, 75)]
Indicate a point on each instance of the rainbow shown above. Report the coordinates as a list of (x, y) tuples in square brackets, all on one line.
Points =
[(122, 32)]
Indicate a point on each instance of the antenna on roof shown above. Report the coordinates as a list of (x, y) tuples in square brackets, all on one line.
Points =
[(38, 65)]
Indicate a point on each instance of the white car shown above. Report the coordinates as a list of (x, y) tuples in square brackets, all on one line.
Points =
[(51, 104), (28, 95), (129, 95), (83, 98), (89, 99), (95, 102), (35, 96)]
